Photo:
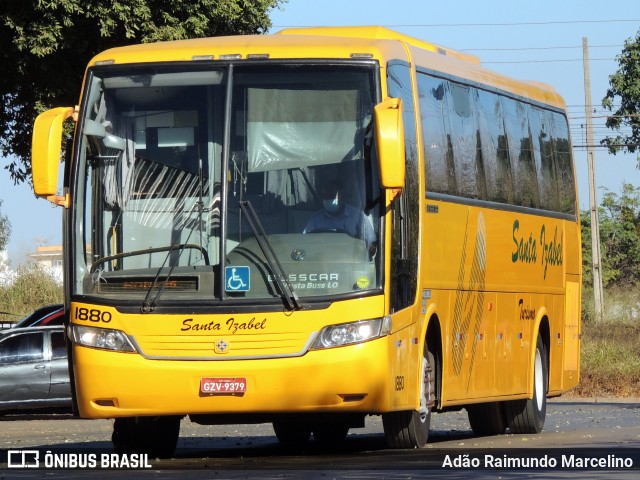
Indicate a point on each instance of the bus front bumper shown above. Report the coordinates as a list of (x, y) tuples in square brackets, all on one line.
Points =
[(353, 378)]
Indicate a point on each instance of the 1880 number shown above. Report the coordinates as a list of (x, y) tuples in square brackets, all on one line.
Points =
[(92, 315)]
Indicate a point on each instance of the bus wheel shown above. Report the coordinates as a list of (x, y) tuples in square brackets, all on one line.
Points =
[(155, 436), (290, 432), (527, 416), (487, 418), (410, 428), (330, 433)]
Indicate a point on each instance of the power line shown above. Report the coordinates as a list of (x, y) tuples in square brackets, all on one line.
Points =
[(629, 115), (514, 24), (553, 61), (596, 108), (535, 48), (616, 145), (505, 24), (578, 105)]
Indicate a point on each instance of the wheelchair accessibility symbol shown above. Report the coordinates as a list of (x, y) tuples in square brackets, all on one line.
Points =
[(237, 279)]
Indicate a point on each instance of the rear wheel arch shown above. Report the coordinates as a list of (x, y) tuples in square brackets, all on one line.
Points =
[(544, 331)]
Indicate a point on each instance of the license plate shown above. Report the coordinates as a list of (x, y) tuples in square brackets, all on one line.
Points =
[(223, 385)]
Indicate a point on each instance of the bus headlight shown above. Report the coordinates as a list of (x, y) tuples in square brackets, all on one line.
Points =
[(103, 338), (351, 333)]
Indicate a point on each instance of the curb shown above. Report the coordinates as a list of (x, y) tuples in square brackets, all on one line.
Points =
[(574, 399)]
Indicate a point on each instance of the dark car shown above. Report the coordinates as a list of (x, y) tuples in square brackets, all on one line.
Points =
[(47, 315), (33, 369)]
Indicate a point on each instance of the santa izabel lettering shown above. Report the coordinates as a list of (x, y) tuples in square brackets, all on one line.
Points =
[(232, 325), (529, 248)]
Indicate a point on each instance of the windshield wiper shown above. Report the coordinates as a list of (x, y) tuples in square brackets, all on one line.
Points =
[(149, 306), (287, 292)]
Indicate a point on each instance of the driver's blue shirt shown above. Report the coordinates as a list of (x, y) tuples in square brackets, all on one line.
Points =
[(351, 221)]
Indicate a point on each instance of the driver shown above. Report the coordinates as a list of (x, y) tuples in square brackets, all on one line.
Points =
[(337, 215)]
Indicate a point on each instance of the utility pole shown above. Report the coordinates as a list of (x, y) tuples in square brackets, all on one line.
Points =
[(598, 295)]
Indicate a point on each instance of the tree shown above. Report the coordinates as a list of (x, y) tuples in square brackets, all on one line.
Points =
[(5, 230), (46, 44), (625, 86), (619, 238)]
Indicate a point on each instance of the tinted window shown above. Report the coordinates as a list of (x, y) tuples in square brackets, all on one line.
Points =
[(406, 208), (564, 165), (465, 137), (540, 124), (24, 347), (483, 145), (495, 151), (58, 345), (440, 168), (37, 315), (521, 152)]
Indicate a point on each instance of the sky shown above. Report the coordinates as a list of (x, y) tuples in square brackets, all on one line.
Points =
[(539, 40)]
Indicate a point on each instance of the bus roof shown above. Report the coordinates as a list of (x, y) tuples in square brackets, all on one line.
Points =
[(329, 42), (247, 46), (317, 42), (379, 33)]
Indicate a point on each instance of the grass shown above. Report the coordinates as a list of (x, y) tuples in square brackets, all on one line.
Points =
[(33, 288), (610, 356), (610, 360)]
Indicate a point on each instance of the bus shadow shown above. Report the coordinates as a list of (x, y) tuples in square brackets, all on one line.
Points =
[(258, 446)]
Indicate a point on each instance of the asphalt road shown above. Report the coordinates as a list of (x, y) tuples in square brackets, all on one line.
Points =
[(582, 439)]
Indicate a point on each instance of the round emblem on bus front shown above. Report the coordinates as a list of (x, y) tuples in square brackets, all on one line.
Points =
[(298, 254), (221, 345)]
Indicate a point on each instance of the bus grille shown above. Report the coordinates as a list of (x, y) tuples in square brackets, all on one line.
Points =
[(224, 347)]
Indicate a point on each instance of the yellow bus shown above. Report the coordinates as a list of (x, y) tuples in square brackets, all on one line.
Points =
[(309, 228)]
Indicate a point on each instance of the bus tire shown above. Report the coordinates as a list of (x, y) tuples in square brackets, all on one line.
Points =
[(155, 436), (410, 428), (527, 416), (291, 432), (487, 418)]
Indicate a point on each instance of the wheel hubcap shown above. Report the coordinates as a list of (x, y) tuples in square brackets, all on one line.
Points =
[(426, 390), (538, 381)]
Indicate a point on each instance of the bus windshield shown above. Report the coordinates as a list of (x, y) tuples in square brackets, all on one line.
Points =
[(232, 183)]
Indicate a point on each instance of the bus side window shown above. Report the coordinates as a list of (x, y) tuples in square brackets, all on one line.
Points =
[(495, 151), (540, 127), (562, 152), (465, 137), (440, 171), (521, 153), (404, 248)]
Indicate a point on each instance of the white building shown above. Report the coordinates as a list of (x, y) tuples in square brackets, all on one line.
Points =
[(49, 257)]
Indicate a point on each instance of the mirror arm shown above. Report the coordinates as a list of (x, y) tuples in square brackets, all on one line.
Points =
[(59, 200)]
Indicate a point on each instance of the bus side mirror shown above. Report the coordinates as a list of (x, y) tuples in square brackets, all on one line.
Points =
[(46, 144), (390, 143)]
